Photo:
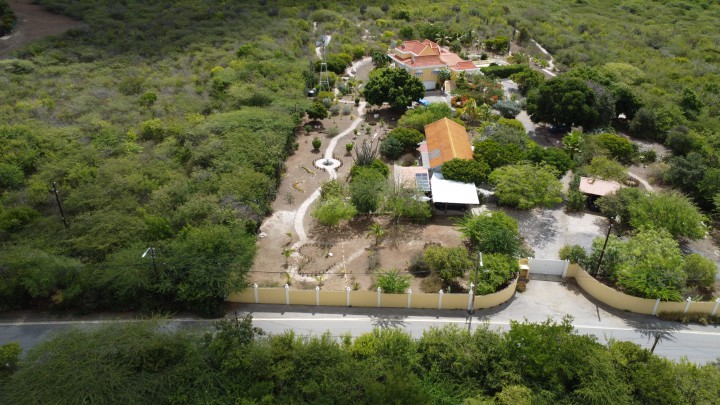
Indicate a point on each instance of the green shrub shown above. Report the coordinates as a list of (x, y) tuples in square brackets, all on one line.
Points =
[(700, 271), (497, 270), (504, 71), (575, 201), (409, 137), (147, 99), (466, 171), (17, 66), (391, 148), (448, 263), (11, 176), (648, 156), (7, 18), (392, 282), (574, 253), (508, 108)]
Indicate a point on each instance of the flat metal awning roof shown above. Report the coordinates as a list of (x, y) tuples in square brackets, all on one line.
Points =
[(452, 192)]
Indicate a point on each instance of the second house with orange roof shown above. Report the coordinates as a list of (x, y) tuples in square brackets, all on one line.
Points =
[(425, 59)]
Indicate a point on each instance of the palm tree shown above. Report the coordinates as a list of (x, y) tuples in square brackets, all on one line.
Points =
[(443, 40), (467, 38), (475, 113), (377, 231)]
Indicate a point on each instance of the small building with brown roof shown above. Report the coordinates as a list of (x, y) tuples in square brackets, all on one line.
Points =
[(595, 188), (445, 140), (424, 60)]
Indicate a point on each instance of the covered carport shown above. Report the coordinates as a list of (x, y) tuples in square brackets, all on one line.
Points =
[(448, 194)]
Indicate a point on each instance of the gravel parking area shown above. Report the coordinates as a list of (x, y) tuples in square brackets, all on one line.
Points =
[(548, 230)]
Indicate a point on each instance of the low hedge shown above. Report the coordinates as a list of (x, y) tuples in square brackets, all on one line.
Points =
[(503, 71), (694, 317)]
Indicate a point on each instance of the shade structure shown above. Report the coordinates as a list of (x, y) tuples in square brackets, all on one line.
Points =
[(452, 192)]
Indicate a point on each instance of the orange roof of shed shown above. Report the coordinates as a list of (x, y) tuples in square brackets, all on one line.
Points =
[(447, 140)]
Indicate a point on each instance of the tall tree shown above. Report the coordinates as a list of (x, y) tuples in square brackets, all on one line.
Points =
[(525, 186), (380, 59), (494, 232), (564, 102), (394, 86)]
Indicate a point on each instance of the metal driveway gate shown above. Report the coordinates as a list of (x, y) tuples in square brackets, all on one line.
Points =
[(548, 266)]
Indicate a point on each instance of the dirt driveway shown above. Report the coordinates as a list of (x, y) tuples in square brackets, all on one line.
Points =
[(34, 23)]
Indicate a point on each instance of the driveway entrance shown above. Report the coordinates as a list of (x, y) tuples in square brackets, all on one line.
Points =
[(548, 267)]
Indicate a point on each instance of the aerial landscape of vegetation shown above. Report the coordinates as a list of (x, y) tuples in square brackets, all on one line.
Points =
[(159, 156)]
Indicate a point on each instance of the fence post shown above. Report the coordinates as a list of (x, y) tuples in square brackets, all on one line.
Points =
[(655, 308), (287, 294), (347, 289), (440, 300), (379, 290), (717, 303), (317, 295), (687, 306), (471, 296), (256, 292), (409, 293)]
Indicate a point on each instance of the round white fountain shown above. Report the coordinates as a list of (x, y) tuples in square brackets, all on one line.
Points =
[(327, 163)]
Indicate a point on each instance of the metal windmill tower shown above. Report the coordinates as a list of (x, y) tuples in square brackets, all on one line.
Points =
[(324, 83)]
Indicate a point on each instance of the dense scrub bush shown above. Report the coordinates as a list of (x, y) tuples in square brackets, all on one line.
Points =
[(141, 362)]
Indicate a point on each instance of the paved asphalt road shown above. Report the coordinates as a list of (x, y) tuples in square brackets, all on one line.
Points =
[(697, 344)]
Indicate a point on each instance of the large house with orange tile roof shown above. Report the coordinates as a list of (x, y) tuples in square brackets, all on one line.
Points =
[(445, 140), (425, 59)]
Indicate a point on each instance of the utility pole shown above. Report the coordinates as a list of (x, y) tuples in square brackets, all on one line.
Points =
[(477, 270), (602, 253), (57, 199), (152, 256)]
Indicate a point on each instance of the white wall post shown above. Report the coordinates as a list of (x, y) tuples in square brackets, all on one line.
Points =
[(347, 289), (409, 293), (379, 290), (687, 306), (655, 308), (440, 299), (470, 296), (717, 304), (287, 294), (317, 295), (565, 268), (256, 292)]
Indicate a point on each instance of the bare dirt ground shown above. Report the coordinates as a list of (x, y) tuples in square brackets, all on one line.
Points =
[(345, 256), (34, 23)]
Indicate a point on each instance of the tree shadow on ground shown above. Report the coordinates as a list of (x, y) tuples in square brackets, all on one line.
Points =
[(399, 232), (655, 330), (388, 321), (649, 326)]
